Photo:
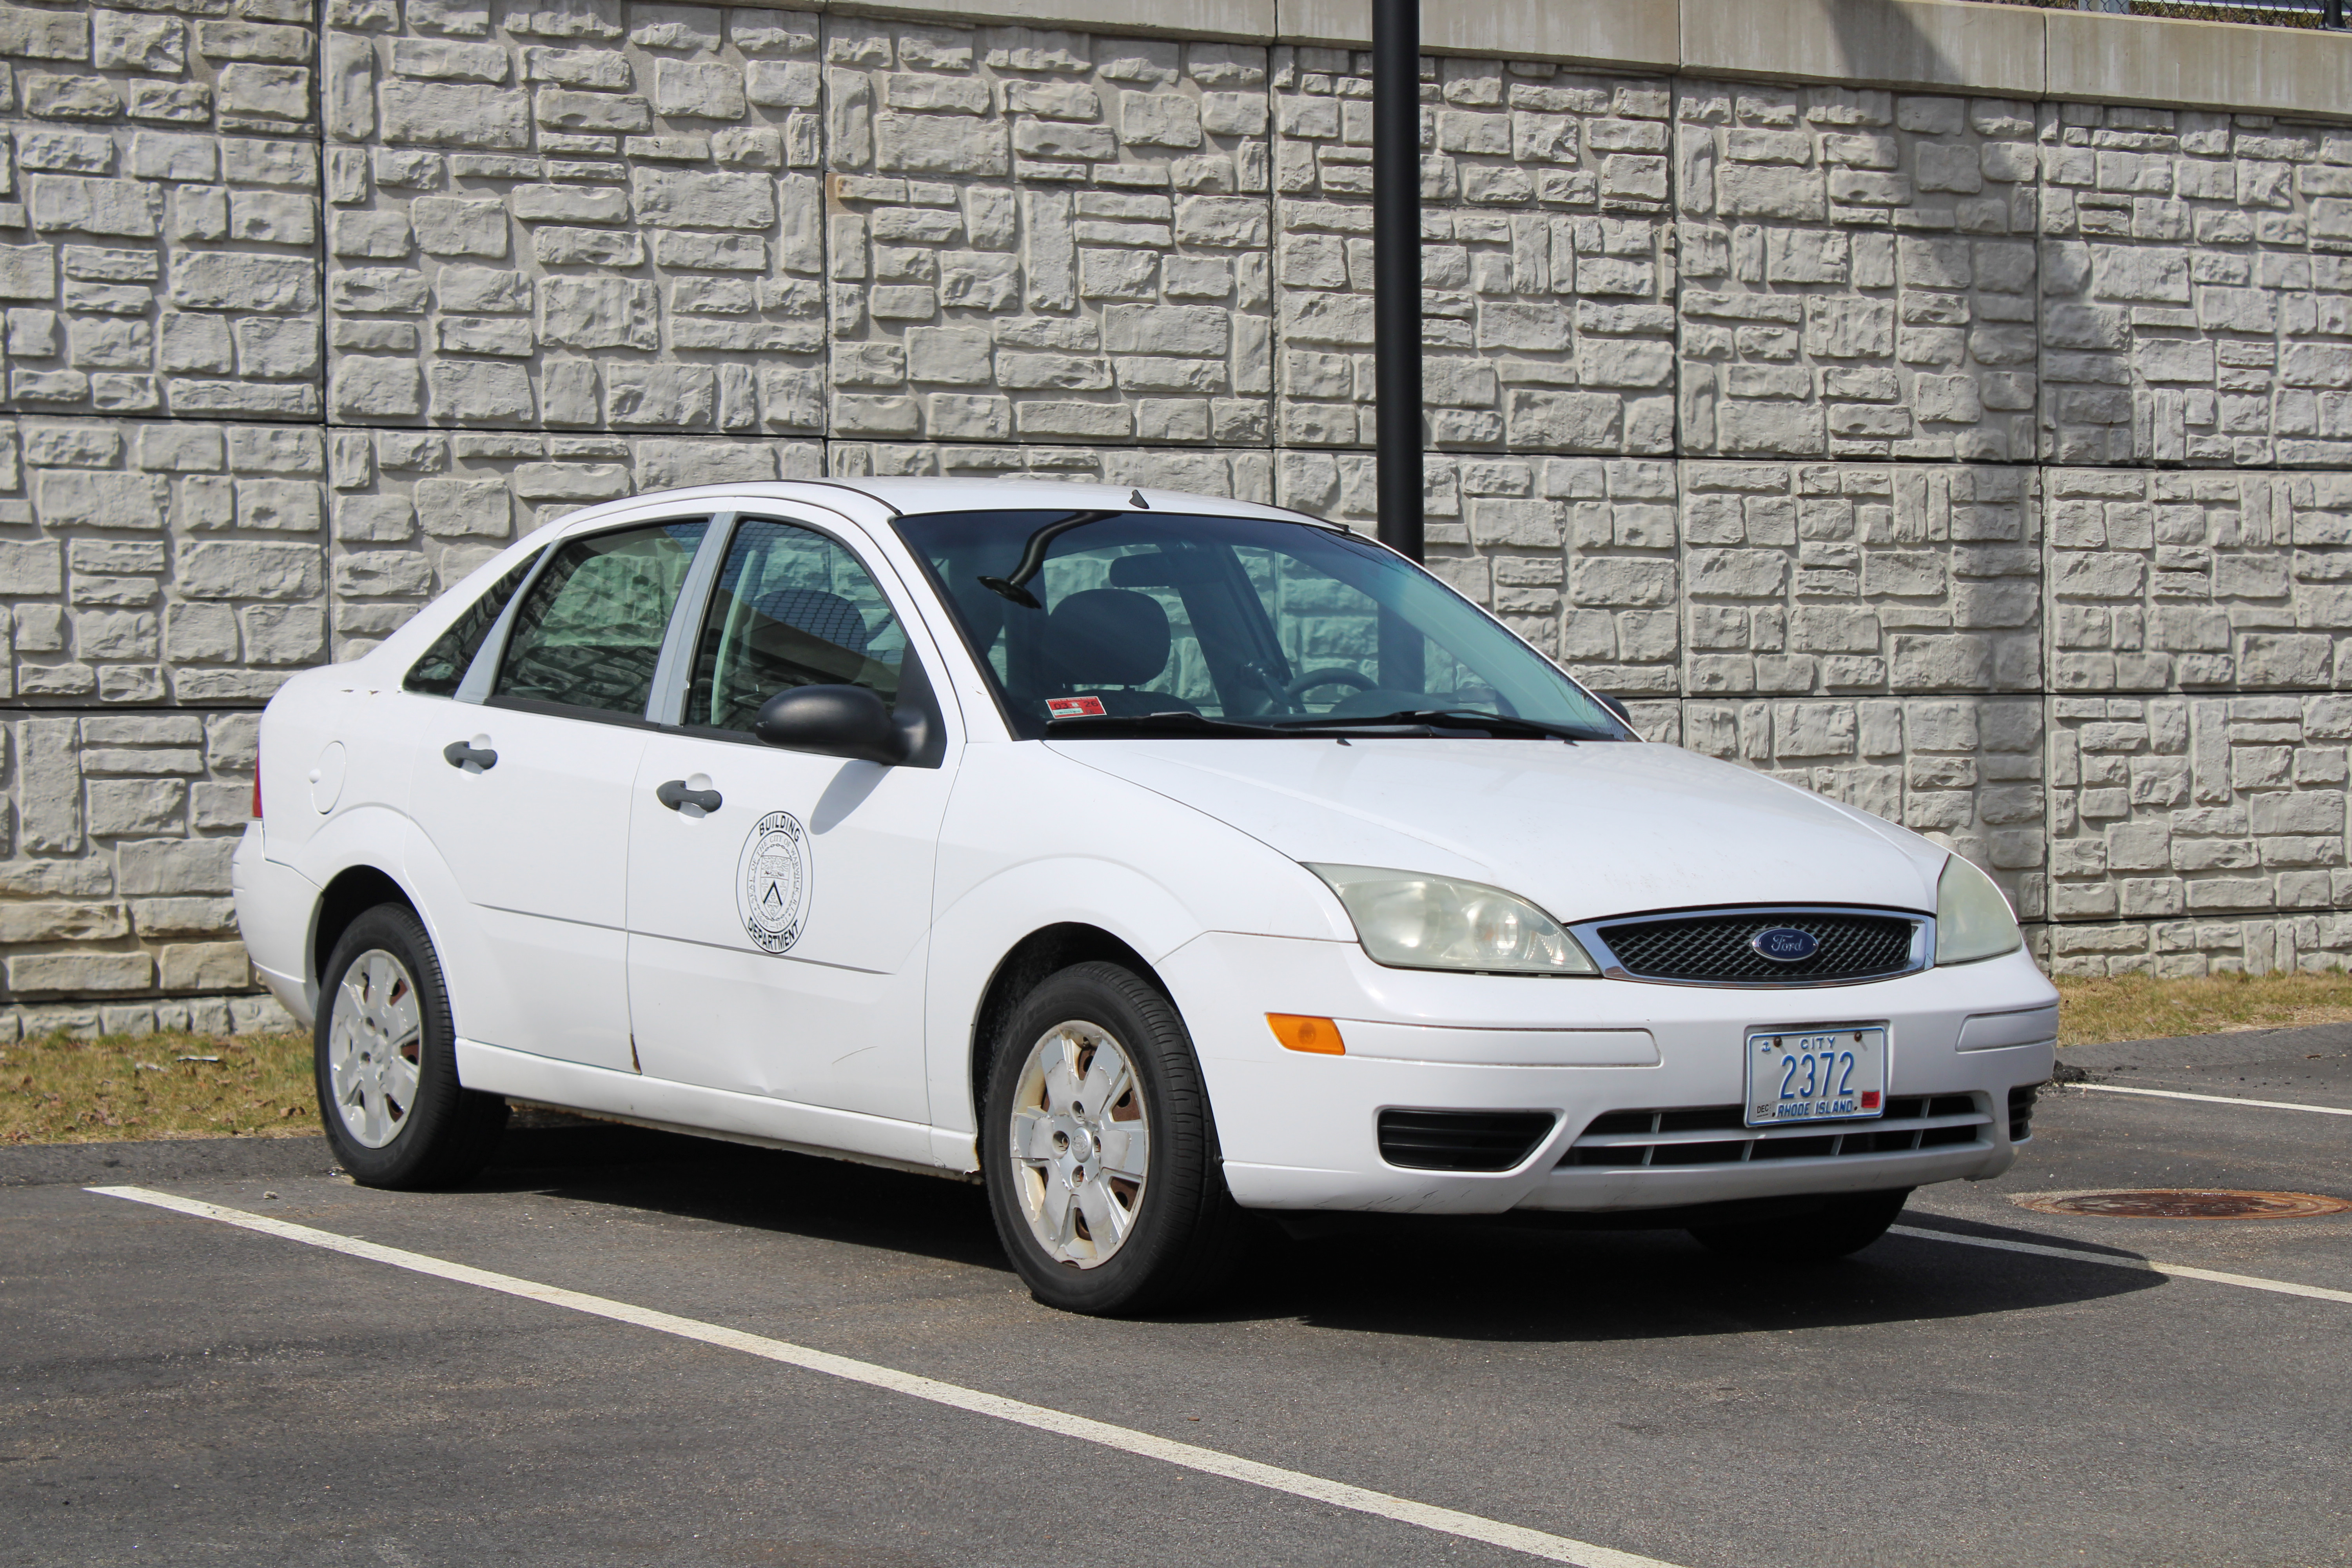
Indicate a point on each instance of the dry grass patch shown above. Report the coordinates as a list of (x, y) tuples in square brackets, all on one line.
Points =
[(2136, 1008), (64, 1091)]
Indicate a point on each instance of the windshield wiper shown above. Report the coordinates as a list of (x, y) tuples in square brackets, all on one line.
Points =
[(1177, 721), (1408, 723), (1446, 718)]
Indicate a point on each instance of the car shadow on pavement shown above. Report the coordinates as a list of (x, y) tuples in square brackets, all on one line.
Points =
[(741, 1184), (1454, 1278), (1512, 1283)]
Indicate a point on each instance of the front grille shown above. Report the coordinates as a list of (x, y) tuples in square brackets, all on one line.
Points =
[(1714, 1135), (1713, 948), (1461, 1140), (2021, 1111)]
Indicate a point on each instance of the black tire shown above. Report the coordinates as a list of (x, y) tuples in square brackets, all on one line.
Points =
[(1841, 1226), (1187, 1234), (449, 1131)]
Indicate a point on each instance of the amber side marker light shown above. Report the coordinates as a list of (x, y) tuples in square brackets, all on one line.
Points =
[(1318, 1036)]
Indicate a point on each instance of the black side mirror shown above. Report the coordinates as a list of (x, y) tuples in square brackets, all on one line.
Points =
[(841, 722), (1613, 706)]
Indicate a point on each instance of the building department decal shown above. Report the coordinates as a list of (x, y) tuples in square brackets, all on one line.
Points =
[(772, 881)]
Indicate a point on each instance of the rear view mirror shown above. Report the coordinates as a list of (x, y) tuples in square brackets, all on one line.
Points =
[(841, 722), (1163, 569)]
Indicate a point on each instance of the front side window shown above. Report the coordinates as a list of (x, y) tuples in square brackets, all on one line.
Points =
[(792, 608), (443, 665), (590, 633), (1085, 619)]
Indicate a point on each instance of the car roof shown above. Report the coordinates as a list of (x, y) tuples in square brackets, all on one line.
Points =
[(900, 497), (912, 496)]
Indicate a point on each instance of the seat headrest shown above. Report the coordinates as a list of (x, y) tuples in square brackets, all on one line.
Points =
[(1107, 636), (828, 617)]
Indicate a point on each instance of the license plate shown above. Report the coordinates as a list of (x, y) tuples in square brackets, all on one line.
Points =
[(1815, 1074)]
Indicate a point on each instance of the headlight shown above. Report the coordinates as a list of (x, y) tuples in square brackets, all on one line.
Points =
[(1972, 920), (1412, 921)]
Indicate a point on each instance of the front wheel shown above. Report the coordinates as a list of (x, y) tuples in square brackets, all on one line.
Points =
[(387, 1061), (1099, 1151), (1841, 1227)]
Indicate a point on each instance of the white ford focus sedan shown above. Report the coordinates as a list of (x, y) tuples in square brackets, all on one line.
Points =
[(1151, 858)]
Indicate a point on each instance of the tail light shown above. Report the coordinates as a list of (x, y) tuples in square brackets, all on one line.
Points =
[(257, 784)]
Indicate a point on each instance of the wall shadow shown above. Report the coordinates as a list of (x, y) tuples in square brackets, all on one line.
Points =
[(1869, 30)]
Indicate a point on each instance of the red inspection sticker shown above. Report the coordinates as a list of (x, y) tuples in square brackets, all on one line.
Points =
[(1073, 707)]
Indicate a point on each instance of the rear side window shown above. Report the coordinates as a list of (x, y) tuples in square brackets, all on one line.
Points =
[(794, 608), (590, 633), (445, 664)]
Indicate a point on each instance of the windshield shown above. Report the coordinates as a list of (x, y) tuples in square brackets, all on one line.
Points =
[(1118, 623)]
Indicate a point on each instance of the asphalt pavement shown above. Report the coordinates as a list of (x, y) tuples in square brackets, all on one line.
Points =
[(175, 1389)]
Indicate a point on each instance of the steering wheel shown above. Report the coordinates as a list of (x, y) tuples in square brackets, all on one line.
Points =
[(1315, 678)]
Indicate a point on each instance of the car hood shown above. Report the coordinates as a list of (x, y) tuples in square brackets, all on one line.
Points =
[(1585, 831)]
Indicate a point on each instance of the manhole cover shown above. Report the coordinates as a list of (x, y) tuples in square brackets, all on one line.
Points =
[(2185, 1203)]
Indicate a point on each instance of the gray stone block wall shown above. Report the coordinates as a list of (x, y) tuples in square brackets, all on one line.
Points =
[(1966, 771), (1547, 261), (1853, 578), (1858, 273), (159, 217), (2197, 288), (1046, 240), (1976, 461), (575, 220)]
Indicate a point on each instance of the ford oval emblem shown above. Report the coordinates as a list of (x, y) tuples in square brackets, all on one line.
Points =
[(1785, 944)]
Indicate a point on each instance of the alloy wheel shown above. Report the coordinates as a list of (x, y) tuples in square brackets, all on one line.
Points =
[(375, 1042), (1081, 1145)]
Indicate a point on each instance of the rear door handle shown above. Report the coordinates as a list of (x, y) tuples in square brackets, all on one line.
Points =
[(675, 794), (460, 755)]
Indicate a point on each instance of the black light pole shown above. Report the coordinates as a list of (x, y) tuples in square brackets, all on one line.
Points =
[(1396, 267)]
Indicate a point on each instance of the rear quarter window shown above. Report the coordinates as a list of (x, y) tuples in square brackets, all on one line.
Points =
[(443, 665)]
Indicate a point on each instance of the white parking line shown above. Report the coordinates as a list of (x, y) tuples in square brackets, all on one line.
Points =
[(2179, 1270), (1209, 1461), (2215, 1099)]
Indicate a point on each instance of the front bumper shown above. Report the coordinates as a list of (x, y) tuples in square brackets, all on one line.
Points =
[(1300, 1131)]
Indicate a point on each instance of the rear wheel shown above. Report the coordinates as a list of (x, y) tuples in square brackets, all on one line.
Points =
[(387, 1062), (1099, 1151), (1841, 1226)]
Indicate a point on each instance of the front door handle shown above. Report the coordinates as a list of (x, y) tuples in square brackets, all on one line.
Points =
[(460, 755), (675, 794)]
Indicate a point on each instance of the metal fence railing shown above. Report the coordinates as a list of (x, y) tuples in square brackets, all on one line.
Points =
[(2261, 13)]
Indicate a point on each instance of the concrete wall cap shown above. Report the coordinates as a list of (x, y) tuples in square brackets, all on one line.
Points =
[(1960, 46), (1630, 33), (1250, 21), (2200, 65), (1974, 48)]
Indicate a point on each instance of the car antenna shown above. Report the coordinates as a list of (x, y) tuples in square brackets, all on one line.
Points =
[(1137, 497)]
